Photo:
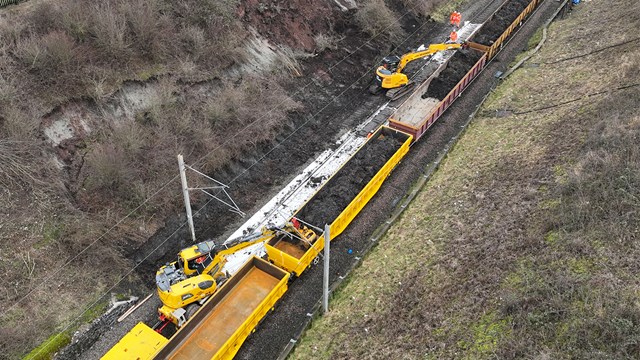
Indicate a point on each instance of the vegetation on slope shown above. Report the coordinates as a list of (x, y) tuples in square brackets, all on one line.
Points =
[(524, 243), (71, 65)]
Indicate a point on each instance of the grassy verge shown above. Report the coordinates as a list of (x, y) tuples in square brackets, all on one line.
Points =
[(49, 347), (523, 244)]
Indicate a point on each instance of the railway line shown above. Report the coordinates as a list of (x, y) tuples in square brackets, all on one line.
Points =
[(406, 132)]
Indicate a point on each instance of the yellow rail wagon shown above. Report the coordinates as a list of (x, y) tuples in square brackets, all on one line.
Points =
[(141, 343), (298, 256), (220, 327)]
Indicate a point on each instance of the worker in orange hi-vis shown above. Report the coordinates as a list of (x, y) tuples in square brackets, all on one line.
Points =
[(455, 19), (453, 36)]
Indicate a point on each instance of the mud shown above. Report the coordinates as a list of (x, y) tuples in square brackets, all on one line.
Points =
[(343, 187), (456, 69), (492, 30)]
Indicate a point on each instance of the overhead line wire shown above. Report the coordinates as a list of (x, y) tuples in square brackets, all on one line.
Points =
[(162, 187), (175, 177)]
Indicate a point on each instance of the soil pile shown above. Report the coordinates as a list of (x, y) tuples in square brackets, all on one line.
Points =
[(492, 29), (456, 69), (329, 202)]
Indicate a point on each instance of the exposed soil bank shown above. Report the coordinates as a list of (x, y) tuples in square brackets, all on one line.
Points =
[(343, 187), (502, 19), (456, 69)]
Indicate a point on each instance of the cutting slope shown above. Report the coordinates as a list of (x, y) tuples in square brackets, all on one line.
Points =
[(523, 244)]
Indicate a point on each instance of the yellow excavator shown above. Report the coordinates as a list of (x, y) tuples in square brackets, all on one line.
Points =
[(184, 285), (389, 75)]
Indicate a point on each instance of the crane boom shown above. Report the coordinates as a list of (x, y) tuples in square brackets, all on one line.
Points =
[(432, 49), (389, 76)]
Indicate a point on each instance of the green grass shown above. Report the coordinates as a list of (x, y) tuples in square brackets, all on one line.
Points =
[(49, 347), (535, 39), (522, 244), (51, 233), (60, 339)]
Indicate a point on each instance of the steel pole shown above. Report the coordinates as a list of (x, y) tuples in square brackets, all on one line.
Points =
[(185, 193), (325, 284)]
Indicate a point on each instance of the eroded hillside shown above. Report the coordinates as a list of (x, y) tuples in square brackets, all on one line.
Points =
[(96, 99)]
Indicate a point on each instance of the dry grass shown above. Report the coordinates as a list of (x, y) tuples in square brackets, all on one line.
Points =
[(523, 244), (324, 42), (52, 209), (375, 18), (132, 159), (62, 45)]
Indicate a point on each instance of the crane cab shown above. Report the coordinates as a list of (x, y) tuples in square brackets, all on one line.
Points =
[(196, 259)]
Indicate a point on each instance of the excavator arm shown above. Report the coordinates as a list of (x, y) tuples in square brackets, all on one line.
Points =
[(432, 49), (389, 76)]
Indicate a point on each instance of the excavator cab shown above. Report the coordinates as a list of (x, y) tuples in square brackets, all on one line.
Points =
[(197, 258), (391, 63), (191, 279), (386, 75)]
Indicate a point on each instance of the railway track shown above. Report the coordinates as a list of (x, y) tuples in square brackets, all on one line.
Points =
[(276, 336), (354, 240)]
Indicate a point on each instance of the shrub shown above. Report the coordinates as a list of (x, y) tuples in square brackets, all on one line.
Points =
[(149, 31), (109, 170), (324, 42), (108, 26), (19, 164), (375, 18), (17, 125), (8, 92), (45, 18)]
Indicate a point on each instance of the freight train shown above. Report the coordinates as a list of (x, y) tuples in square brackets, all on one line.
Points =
[(220, 327)]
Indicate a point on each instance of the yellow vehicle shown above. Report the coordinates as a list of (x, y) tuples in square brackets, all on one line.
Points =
[(141, 343), (220, 328), (389, 75), (185, 284)]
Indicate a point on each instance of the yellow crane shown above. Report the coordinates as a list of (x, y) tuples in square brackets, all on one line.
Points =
[(184, 285), (389, 75)]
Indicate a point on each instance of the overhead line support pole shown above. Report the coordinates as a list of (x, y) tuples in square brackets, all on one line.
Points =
[(325, 282), (185, 193)]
